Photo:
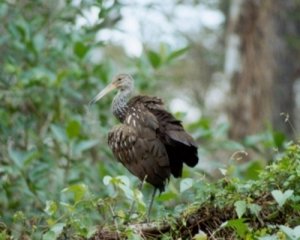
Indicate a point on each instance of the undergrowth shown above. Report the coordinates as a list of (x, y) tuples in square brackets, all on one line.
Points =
[(267, 208), (264, 209)]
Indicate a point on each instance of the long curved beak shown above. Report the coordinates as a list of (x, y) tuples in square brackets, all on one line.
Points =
[(101, 94)]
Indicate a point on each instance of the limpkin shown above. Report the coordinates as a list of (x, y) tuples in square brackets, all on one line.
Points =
[(150, 142)]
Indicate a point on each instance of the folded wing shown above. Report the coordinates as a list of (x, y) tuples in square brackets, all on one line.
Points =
[(136, 145)]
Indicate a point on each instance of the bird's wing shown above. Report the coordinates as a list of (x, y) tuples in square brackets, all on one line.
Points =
[(136, 146), (180, 146)]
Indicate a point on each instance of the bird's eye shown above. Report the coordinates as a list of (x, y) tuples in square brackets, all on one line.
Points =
[(119, 79)]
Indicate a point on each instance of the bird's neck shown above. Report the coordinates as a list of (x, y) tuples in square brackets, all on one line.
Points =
[(119, 105)]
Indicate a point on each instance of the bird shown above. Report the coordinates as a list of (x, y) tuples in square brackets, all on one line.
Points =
[(149, 141)]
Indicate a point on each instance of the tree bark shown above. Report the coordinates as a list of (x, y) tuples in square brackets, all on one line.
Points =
[(286, 55), (265, 66), (250, 99)]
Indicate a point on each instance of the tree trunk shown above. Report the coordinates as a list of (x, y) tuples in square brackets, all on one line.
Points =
[(264, 72), (286, 55), (250, 99)]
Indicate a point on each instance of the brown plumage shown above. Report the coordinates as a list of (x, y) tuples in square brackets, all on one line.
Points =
[(149, 142)]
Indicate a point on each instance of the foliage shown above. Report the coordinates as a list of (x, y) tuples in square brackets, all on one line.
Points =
[(53, 151), (58, 178), (265, 207), (232, 208)]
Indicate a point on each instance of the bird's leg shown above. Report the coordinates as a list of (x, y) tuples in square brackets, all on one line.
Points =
[(151, 203)]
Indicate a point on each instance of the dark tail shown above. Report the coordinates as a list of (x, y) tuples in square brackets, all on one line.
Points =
[(182, 151)]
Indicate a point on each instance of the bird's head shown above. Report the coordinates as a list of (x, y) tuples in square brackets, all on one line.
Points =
[(122, 82)]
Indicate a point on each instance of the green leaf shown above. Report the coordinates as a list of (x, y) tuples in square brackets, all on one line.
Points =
[(51, 207), (200, 236), (223, 171), (253, 169), (238, 225), (71, 208), (292, 234), (268, 237), (4, 234), (16, 156), (73, 129), (132, 234), (254, 209), (79, 191), (23, 29), (39, 41), (240, 208), (177, 53), (154, 59), (185, 184), (30, 156), (54, 232), (164, 49), (166, 196), (107, 180), (127, 191), (22, 159), (122, 180), (85, 145), (58, 133), (280, 197), (278, 139), (80, 49), (11, 68), (19, 216)]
